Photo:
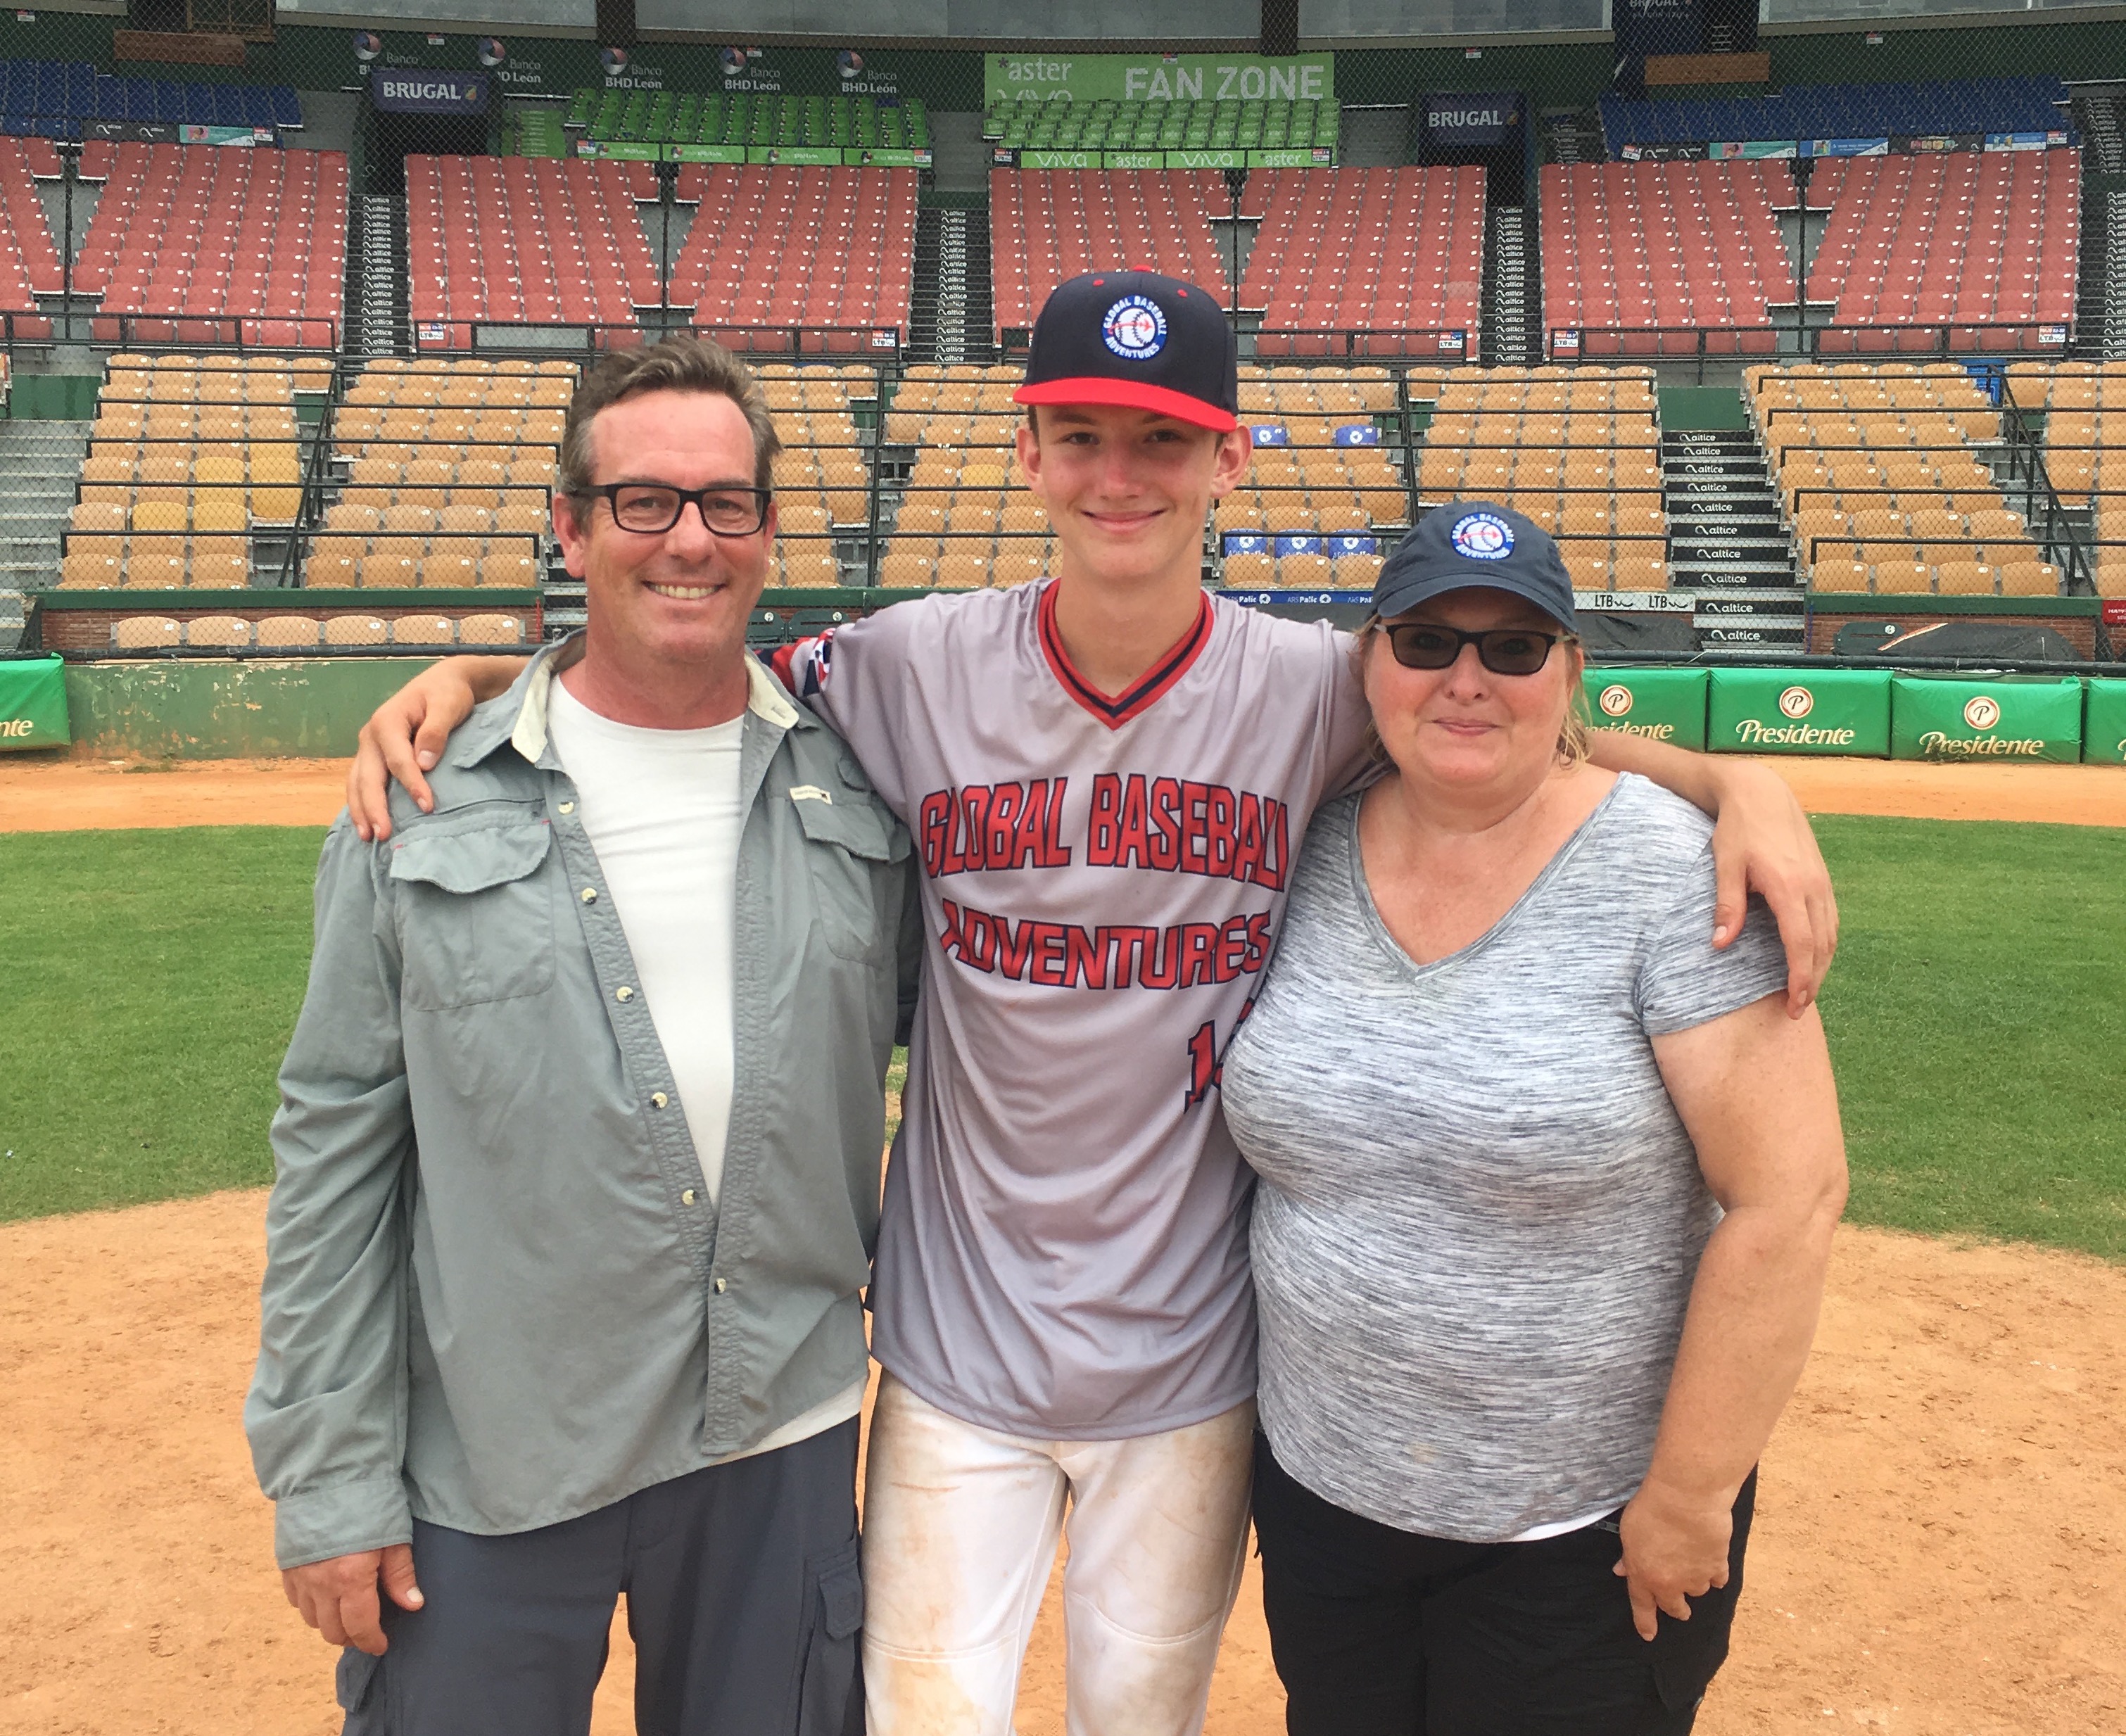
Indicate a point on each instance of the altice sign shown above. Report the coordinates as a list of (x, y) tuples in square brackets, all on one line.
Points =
[(1799, 712), (1155, 77)]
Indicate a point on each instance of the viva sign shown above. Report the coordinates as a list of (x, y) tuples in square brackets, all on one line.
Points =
[(1154, 78)]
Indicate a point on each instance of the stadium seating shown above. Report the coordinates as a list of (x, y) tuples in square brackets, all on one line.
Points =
[(1843, 111), (2083, 405), (751, 119), (446, 471), (1881, 472), (1394, 253), (784, 248), (516, 240), (963, 519), (1657, 258), (1049, 224), (822, 478), (1324, 499), (1982, 245), (280, 635), (187, 460), (197, 244), (53, 99), (1163, 124), (28, 263), (1577, 450)]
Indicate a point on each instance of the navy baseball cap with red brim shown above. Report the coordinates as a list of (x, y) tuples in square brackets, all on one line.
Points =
[(1139, 340)]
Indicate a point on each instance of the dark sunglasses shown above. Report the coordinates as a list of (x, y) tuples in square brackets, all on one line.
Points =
[(1503, 650), (651, 508)]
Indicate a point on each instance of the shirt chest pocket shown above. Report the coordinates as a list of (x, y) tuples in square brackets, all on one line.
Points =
[(847, 841), (475, 915)]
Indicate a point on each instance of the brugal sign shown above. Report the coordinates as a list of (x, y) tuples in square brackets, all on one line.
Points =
[(424, 91), (1469, 118)]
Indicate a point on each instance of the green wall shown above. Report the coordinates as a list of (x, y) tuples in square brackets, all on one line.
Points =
[(311, 707)]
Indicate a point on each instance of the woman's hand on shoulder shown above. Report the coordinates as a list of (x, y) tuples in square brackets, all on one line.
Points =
[(1762, 841), (1675, 1548), (405, 736)]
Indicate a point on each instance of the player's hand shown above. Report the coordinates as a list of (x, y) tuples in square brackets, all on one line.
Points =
[(404, 737), (338, 1597), (1675, 1548), (1762, 839)]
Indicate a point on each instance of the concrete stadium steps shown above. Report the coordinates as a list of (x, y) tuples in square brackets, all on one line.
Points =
[(1510, 334), (951, 302), (378, 285), (1573, 135), (40, 472), (1726, 544)]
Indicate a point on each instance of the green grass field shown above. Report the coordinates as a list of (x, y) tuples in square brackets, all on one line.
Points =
[(1976, 1015)]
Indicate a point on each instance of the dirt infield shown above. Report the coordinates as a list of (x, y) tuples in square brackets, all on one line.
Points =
[(1941, 1535), (1941, 1548), (72, 795)]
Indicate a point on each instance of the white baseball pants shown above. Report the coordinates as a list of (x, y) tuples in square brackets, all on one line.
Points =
[(959, 1529)]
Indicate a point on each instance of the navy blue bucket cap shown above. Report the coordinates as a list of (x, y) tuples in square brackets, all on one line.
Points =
[(1470, 543)]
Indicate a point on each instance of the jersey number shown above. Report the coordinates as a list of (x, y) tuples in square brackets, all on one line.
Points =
[(1207, 1067)]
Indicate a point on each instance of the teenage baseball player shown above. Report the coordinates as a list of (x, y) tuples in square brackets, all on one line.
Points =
[(1105, 774)]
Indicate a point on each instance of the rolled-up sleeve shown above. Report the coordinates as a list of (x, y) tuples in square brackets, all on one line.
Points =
[(327, 1410)]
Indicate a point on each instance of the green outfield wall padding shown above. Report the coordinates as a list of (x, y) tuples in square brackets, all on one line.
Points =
[(2033, 718), (1799, 712), (1662, 704), (310, 706), (33, 703), (2103, 723)]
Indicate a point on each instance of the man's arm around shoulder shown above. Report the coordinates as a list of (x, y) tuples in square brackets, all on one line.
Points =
[(327, 1410)]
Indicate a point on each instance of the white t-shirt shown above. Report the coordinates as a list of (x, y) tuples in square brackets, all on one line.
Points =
[(662, 810)]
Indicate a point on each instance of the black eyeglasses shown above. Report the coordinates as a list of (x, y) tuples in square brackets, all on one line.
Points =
[(1503, 650), (652, 509)]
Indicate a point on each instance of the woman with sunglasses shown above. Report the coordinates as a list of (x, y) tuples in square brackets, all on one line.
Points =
[(1548, 1190)]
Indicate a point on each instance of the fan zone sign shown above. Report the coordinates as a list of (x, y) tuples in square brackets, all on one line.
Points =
[(1155, 78)]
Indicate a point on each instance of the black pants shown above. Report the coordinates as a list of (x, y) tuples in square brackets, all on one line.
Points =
[(742, 1597), (1379, 1632)]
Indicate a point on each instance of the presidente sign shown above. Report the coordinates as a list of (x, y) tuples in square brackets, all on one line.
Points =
[(423, 91), (1799, 712), (1154, 78), (1943, 718), (1661, 704)]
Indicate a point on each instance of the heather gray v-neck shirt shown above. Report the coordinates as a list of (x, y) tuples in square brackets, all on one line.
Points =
[(1479, 1215)]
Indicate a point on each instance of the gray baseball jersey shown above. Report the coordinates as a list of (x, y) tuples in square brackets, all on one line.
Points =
[(1063, 1254)]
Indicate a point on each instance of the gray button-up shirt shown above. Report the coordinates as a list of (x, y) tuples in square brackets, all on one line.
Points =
[(497, 1296)]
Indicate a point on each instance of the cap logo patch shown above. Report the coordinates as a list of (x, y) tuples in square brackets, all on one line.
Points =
[(1135, 329), (1483, 536)]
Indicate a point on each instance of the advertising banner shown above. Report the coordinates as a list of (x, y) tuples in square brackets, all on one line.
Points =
[(1846, 147), (1750, 150), (33, 705), (2034, 718), (428, 92), (1662, 704), (2103, 723), (1468, 120), (1799, 712), (1153, 77)]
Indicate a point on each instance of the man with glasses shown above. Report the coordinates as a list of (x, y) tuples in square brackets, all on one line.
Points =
[(578, 1149)]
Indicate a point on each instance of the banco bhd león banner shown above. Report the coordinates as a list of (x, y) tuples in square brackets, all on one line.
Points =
[(1159, 78), (33, 703)]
